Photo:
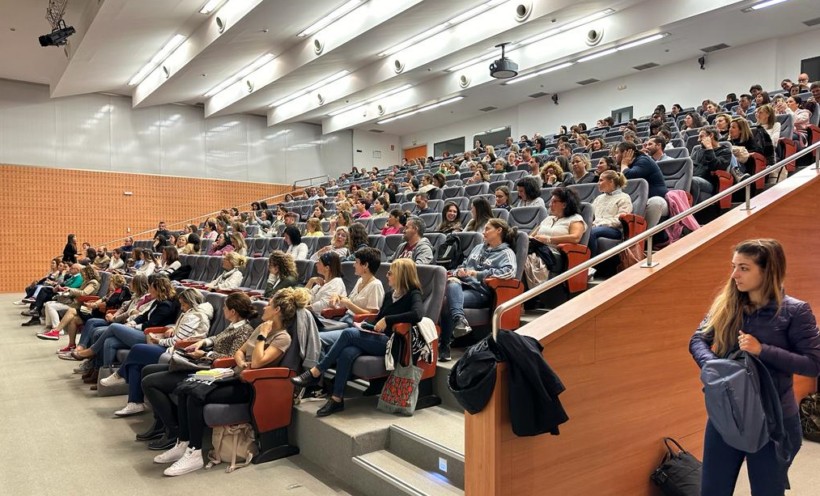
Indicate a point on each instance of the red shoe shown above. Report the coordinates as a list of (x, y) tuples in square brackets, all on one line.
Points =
[(52, 335), (66, 349)]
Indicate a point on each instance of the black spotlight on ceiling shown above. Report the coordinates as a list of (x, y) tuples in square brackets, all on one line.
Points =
[(58, 36), (503, 68)]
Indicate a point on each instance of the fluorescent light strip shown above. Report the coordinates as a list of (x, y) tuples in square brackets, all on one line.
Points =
[(643, 41), (157, 59), (552, 32), (315, 86), (330, 17), (422, 109), (264, 59), (370, 100), (441, 27), (210, 6), (539, 73), (768, 3)]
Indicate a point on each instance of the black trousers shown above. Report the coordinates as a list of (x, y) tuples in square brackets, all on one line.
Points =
[(45, 294), (191, 410), (157, 384)]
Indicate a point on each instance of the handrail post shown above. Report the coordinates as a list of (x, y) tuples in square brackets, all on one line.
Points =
[(748, 190), (816, 159), (648, 264)]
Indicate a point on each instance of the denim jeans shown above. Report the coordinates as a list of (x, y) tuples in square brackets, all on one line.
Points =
[(458, 298), (351, 344), (131, 370), (115, 337), (721, 464), (602, 232)]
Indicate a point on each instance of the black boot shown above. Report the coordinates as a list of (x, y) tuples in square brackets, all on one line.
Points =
[(305, 379), (166, 442), (154, 432), (35, 321), (331, 407)]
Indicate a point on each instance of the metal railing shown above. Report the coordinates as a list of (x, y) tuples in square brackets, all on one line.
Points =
[(309, 180), (647, 236)]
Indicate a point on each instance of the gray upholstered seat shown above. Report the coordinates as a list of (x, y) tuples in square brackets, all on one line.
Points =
[(526, 218), (677, 173)]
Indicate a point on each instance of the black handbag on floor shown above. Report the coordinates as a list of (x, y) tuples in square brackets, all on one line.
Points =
[(679, 472)]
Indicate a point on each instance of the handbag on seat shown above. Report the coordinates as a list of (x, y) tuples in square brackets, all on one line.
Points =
[(678, 473)]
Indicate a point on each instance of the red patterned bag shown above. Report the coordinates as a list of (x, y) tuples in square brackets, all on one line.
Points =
[(401, 390)]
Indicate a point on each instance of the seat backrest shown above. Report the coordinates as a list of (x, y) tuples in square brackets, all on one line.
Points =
[(435, 239), (218, 321), (435, 205), (587, 213), (391, 244), (786, 125), (476, 189), (311, 242), (255, 273), (212, 269), (501, 213), (494, 185), (434, 194), (691, 142), (586, 192), (497, 176), (638, 191), (468, 241), (274, 244), (594, 156), (681, 152), (349, 276), (515, 175), (522, 244), (462, 202), (378, 225), (677, 173), (431, 221), (304, 270), (526, 218), (251, 230), (105, 281), (376, 241), (408, 206), (433, 279), (322, 241), (198, 264)]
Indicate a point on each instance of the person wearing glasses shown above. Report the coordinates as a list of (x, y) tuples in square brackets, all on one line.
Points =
[(338, 245)]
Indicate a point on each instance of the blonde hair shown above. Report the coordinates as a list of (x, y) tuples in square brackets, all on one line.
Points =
[(235, 259), (117, 281), (616, 177), (314, 225), (162, 285), (238, 241), (405, 275), (725, 317), (89, 273), (139, 285), (559, 172), (289, 300)]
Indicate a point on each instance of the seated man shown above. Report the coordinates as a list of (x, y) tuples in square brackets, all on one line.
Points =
[(710, 157), (415, 245), (654, 147), (466, 286), (421, 200), (634, 164)]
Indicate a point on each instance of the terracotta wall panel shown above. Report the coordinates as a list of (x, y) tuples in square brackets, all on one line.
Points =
[(43, 205)]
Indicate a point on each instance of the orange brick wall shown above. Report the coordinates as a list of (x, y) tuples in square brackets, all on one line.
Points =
[(43, 205)]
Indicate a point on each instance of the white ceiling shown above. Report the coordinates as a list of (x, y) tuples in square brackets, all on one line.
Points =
[(115, 38)]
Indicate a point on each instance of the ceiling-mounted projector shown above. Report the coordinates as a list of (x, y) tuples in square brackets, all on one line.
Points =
[(503, 68)]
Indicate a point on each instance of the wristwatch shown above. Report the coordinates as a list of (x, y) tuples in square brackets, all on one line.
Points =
[(260, 338)]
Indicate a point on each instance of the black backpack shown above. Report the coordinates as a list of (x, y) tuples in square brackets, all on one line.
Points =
[(449, 254), (763, 141)]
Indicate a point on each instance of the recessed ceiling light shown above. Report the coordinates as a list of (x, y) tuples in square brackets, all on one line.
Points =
[(248, 70), (305, 91), (376, 98), (210, 6), (326, 20), (763, 5), (421, 109), (157, 59)]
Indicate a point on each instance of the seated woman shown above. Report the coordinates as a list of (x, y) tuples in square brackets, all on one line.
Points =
[(169, 263), (743, 142), (466, 287), (238, 243), (265, 348), (481, 212), (162, 313), (136, 261), (479, 176), (313, 228), (102, 259), (293, 240), (318, 212), (395, 222), (53, 277), (118, 294), (116, 264), (343, 217), (597, 144), (380, 207), (767, 120), (529, 194), (337, 245), (231, 277), (722, 123), (564, 224), (605, 164), (327, 284), (580, 171), (607, 207), (502, 198), (450, 219), (193, 323), (209, 231), (158, 382), (281, 273), (221, 246), (357, 238), (67, 300), (403, 304), (551, 174), (801, 117)]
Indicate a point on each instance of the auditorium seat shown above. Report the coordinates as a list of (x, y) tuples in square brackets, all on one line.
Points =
[(527, 218), (476, 189), (677, 173)]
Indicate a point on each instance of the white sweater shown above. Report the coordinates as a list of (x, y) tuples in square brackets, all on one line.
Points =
[(608, 206), (322, 294)]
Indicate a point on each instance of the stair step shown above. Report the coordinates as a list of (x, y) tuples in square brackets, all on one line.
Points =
[(404, 476), (436, 447)]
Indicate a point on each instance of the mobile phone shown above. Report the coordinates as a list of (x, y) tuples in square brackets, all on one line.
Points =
[(367, 326)]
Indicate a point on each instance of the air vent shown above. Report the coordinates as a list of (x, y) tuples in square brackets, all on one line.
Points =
[(812, 22), (714, 48), (488, 109), (646, 66), (538, 95), (588, 81), (375, 130)]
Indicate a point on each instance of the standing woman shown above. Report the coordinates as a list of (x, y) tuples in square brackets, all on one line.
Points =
[(70, 250), (752, 313)]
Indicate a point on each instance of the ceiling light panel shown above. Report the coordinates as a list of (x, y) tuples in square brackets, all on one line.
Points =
[(376, 98), (456, 20), (540, 73), (768, 3), (313, 87), (247, 71), (627, 46), (328, 19), (157, 59), (210, 6), (421, 109)]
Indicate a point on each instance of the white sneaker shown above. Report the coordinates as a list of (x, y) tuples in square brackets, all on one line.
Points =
[(190, 462), (130, 409), (112, 380), (173, 454)]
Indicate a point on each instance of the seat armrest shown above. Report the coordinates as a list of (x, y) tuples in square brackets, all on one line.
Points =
[(633, 225), (758, 163), (725, 181), (87, 298), (365, 317), (332, 313), (576, 254), (224, 363), (253, 375), (184, 343), (227, 291), (154, 330), (495, 283)]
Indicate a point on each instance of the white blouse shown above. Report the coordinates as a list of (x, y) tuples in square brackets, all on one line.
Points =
[(322, 294)]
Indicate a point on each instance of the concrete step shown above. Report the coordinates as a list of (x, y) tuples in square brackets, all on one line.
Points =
[(440, 452), (404, 476)]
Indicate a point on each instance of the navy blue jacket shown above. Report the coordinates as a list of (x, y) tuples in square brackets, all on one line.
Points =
[(645, 168), (790, 340)]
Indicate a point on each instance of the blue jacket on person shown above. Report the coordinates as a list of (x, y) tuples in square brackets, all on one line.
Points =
[(645, 168), (790, 341)]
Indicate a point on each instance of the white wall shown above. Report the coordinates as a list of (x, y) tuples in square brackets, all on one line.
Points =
[(375, 149), (731, 70), (104, 132)]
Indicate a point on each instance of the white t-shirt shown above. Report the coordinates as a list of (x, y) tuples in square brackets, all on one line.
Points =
[(369, 297), (322, 294), (553, 226), (298, 252)]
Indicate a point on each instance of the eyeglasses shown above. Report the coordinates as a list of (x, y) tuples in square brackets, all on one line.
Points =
[(389, 272)]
